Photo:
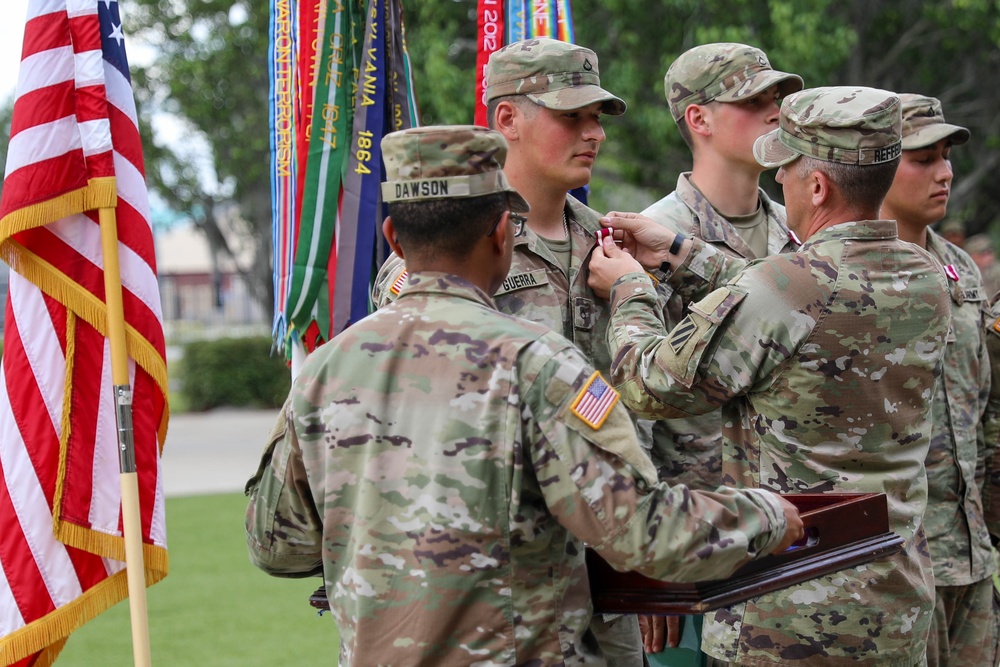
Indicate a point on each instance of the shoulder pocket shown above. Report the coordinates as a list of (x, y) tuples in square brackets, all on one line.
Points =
[(691, 337)]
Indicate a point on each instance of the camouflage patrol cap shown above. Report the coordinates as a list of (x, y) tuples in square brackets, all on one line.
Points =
[(923, 123), (723, 72), (551, 73), (446, 162), (845, 124)]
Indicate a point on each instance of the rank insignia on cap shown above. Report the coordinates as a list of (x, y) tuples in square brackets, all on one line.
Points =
[(951, 271), (398, 283), (594, 402)]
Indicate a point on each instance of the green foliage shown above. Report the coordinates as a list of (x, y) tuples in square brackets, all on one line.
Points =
[(214, 608), (233, 372)]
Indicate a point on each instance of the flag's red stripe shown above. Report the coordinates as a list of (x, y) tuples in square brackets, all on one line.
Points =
[(86, 31), (128, 142), (28, 407), (44, 105), (91, 103), (101, 165), (145, 419), (27, 585), (43, 180), (89, 568), (88, 360), (85, 273), (135, 232), (48, 31)]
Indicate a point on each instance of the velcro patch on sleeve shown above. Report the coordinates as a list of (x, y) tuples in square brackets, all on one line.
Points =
[(689, 339), (594, 402), (398, 283)]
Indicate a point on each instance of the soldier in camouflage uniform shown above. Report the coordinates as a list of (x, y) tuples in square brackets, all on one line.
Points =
[(722, 97), (442, 464), (545, 97), (963, 629), (824, 362)]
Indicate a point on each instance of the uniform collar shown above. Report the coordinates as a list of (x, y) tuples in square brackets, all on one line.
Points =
[(443, 284), (716, 229)]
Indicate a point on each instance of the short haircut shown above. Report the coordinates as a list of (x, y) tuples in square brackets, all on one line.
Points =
[(863, 187), (522, 102), (448, 226), (685, 131)]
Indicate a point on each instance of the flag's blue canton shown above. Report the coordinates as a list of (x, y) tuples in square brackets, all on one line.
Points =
[(112, 37)]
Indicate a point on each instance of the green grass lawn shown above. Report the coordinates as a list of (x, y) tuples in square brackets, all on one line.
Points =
[(214, 609)]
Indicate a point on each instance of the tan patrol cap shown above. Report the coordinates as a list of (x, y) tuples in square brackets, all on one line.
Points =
[(446, 162), (923, 123), (723, 72), (845, 124), (551, 73)]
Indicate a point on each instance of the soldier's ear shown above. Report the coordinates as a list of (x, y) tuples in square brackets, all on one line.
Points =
[(504, 119), (500, 234), (696, 117), (389, 231), (820, 188)]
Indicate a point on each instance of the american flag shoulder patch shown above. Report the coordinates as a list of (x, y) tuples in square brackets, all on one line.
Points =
[(398, 283), (594, 402)]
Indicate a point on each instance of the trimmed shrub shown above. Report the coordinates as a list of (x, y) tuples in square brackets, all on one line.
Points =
[(237, 372)]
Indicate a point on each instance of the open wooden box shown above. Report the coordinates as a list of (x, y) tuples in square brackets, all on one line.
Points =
[(842, 530)]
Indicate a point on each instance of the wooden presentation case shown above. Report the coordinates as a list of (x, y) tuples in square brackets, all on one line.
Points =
[(842, 530)]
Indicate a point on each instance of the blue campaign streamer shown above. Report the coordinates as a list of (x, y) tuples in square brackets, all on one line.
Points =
[(372, 86), (517, 19)]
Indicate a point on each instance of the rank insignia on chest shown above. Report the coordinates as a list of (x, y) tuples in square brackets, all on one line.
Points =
[(594, 402), (398, 283)]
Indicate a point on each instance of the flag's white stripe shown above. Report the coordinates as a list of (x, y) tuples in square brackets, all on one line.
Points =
[(111, 566), (42, 7), (76, 8), (107, 497), (119, 92), (10, 616), (139, 279), (46, 360), (42, 142), (158, 525), (89, 68), (95, 136), (41, 345), (46, 68), (84, 237), (132, 186)]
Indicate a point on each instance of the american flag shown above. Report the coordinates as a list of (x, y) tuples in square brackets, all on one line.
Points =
[(594, 402), (74, 148)]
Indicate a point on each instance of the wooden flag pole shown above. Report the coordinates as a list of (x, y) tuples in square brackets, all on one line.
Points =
[(131, 520)]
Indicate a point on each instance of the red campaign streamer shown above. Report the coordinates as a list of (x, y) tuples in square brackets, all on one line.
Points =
[(307, 65), (489, 39)]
